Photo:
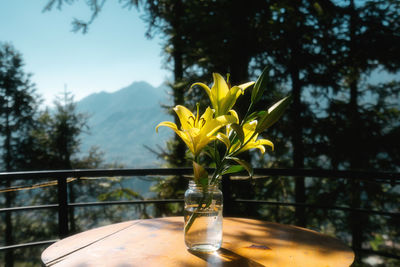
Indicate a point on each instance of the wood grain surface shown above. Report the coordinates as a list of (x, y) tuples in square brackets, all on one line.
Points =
[(159, 242)]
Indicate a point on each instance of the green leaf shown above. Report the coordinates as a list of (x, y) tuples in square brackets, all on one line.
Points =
[(244, 164), (255, 115), (239, 131), (273, 114), (260, 85), (233, 169)]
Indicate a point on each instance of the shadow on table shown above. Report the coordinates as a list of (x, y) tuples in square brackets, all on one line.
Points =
[(225, 257), (279, 235)]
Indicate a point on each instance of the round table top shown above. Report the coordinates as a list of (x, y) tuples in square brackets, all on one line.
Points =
[(159, 242)]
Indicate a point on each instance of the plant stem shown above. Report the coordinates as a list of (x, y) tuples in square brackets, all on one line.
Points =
[(206, 196)]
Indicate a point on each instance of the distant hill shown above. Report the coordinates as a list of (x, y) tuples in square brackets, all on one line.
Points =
[(121, 123)]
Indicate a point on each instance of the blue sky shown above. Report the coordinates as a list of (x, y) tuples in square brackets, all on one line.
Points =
[(113, 54)]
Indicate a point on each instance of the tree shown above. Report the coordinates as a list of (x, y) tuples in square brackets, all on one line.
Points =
[(68, 125), (18, 105), (54, 143), (369, 38), (18, 108), (294, 37)]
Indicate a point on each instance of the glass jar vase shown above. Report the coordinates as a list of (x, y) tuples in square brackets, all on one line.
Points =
[(203, 217)]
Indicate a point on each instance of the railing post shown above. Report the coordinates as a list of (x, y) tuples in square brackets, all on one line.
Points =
[(300, 197), (62, 207), (356, 219), (9, 240), (227, 195)]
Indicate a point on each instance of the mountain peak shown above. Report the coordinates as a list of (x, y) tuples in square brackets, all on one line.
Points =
[(141, 94), (122, 122)]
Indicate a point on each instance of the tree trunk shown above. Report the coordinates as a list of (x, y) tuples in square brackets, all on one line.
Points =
[(238, 56), (178, 89), (298, 147), (354, 134), (296, 116)]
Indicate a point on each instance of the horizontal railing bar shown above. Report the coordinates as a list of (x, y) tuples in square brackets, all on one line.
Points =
[(318, 173), (23, 208), (392, 214), (105, 203), (155, 201), (25, 245), (370, 180), (94, 173), (102, 203)]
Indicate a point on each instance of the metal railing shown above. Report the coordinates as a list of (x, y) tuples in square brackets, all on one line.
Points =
[(62, 205)]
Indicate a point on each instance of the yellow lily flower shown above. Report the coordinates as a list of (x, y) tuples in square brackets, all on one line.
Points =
[(222, 97), (197, 132), (250, 140)]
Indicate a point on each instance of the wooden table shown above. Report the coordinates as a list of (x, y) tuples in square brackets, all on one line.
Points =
[(159, 242)]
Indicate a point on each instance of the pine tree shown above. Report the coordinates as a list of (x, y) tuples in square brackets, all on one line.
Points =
[(18, 108)]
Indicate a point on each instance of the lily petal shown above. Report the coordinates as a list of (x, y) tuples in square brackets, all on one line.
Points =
[(214, 125), (244, 86), (229, 100), (261, 148), (205, 87), (265, 142), (188, 139), (184, 115), (167, 124), (198, 132), (233, 113), (218, 91), (248, 130), (208, 115), (224, 139)]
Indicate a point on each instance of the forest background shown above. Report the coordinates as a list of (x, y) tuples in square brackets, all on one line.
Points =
[(322, 52)]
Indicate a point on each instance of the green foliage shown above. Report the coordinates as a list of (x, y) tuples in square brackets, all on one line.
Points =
[(18, 108), (37, 140), (272, 115), (54, 142), (244, 164), (260, 86), (68, 125), (233, 169)]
